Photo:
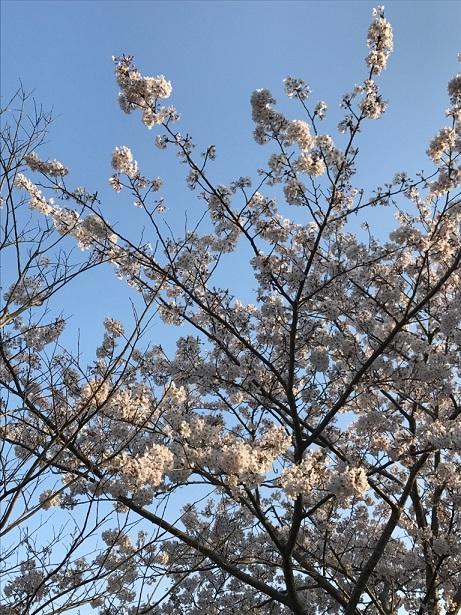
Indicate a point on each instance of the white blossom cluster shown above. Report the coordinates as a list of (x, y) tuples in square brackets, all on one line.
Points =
[(26, 291), (454, 91), (53, 168), (249, 464), (122, 161), (49, 498), (267, 119), (443, 435), (312, 164), (320, 109), (28, 583), (113, 327), (89, 231), (348, 482), (319, 359), (372, 104), (297, 132), (304, 477), (442, 143), (445, 147), (37, 201), (296, 88), (144, 93), (313, 474), (380, 41), (38, 337), (136, 473)]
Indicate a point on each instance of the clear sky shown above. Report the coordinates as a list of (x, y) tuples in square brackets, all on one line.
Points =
[(216, 54)]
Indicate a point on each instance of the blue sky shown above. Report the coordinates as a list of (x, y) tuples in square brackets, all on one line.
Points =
[(216, 54)]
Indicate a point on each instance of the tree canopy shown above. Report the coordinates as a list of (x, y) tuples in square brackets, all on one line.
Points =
[(296, 453)]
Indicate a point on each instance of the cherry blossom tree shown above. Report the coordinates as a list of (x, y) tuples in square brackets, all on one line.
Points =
[(299, 453)]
